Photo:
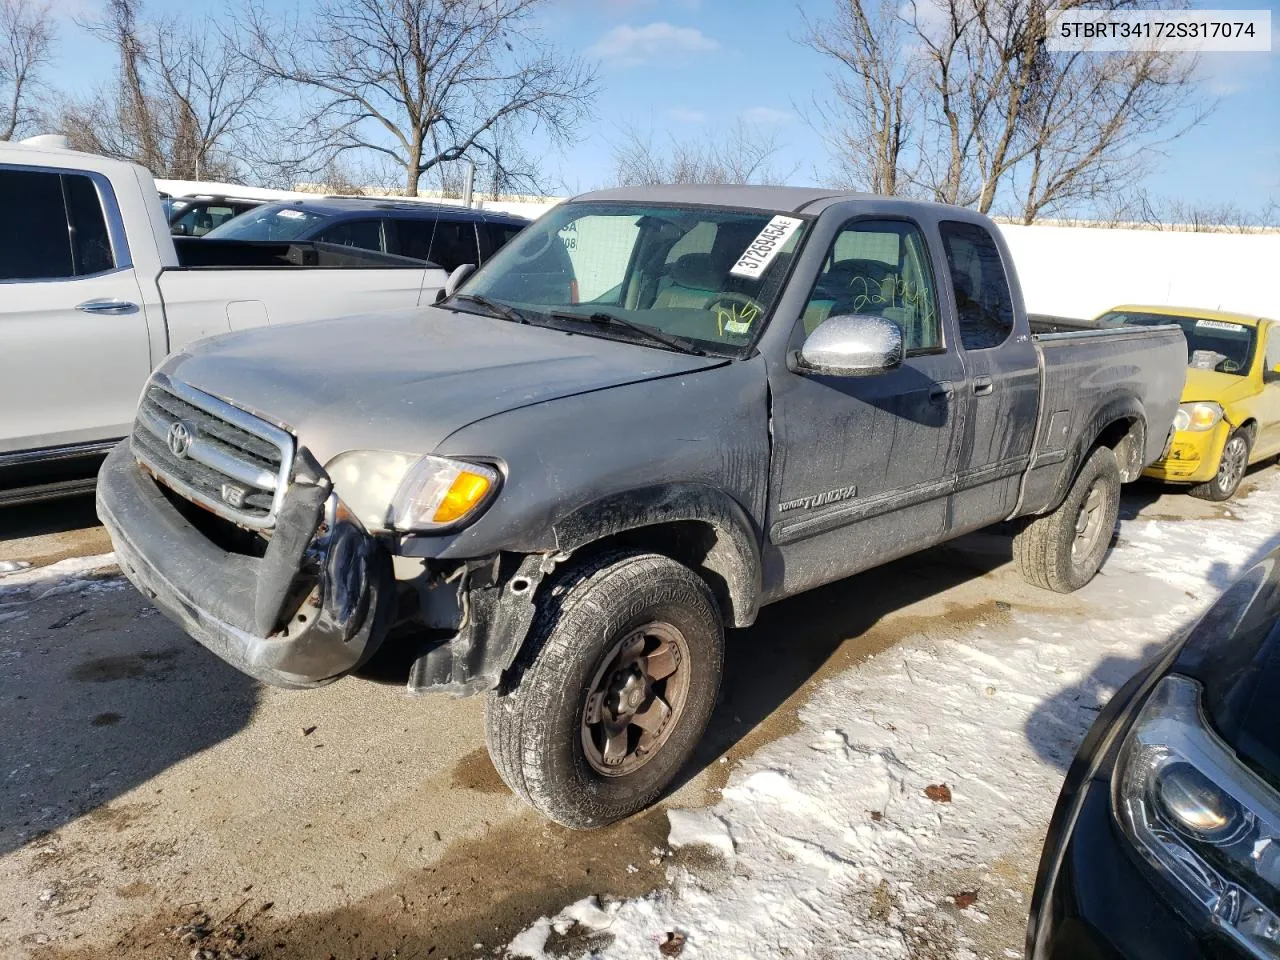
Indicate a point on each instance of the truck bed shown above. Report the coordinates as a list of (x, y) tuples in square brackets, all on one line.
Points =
[(1088, 377)]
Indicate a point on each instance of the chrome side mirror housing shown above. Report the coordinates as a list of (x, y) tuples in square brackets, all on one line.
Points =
[(856, 345)]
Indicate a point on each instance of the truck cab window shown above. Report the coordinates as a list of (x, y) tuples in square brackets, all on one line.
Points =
[(984, 307), (880, 268), (64, 231)]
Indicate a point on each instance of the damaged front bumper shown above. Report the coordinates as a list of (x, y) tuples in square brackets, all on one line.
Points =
[(323, 599), (313, 607)]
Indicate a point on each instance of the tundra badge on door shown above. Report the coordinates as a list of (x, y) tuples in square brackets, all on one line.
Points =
[(819, 500)]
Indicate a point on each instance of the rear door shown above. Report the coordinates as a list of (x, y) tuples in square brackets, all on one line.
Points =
[(1004, 378), (76, 347), (864, 466)]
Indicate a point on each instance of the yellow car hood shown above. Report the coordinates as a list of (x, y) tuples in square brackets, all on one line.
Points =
[(1224, 388)]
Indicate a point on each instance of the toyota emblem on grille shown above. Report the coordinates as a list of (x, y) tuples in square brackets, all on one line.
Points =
[(180, 436)]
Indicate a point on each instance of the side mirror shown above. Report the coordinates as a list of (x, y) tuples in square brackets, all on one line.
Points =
[(456, 278), (851, 346)]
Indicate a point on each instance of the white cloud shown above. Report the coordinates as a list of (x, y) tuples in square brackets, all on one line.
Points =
[(628, 46), (687, 115), (766, 115)]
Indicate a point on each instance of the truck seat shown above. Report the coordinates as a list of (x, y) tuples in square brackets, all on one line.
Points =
[(692, 281)]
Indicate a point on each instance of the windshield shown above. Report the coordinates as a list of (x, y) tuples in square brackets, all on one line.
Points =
[(271, 222), (705, 275), (1211, 344)]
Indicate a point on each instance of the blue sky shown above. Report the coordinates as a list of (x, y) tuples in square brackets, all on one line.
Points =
[(691, 68)]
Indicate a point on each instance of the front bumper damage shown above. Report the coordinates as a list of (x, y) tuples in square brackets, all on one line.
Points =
[(1192, 457), (322, 599)]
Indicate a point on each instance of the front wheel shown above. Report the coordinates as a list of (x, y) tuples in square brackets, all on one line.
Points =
[(1062, 550), (1231, 470), (612, 691)]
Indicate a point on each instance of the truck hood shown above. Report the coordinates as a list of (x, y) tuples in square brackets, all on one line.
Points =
[(1212, 385), (406, 380)]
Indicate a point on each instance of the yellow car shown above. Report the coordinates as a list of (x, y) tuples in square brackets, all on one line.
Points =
[(1230, 413)]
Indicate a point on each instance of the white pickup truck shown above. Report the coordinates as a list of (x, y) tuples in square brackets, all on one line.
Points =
[(94, 293)]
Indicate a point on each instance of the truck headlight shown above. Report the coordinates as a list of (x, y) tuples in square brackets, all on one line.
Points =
[(1197, 417), (402, 492), (1200, 818)]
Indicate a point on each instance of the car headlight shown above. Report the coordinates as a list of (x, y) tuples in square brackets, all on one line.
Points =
[(1201, 818), (403, 492), (1197, 417)]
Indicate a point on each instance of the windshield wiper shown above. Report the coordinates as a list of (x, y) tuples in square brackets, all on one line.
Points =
[(500, 309), (602, 319)]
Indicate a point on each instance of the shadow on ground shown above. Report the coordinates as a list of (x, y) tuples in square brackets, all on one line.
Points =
[(98, 694), (54, 516)]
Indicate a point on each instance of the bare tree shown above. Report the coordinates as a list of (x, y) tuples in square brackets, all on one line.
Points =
[(987, 111), (425, 82), (27, 37), (184, 104), (875, 94), (742, 155)]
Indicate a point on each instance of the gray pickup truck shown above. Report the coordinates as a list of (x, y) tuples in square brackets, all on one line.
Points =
[(654, 412)]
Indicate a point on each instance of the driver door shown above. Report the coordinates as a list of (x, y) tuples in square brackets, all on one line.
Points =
[(864, 466)]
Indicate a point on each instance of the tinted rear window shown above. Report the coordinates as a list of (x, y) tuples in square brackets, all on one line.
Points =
[(415, 238), (454, 244)]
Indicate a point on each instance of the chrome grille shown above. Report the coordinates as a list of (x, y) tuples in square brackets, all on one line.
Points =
[(212, 453)]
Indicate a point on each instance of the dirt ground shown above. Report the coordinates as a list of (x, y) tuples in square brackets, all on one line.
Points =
[(156, 803)]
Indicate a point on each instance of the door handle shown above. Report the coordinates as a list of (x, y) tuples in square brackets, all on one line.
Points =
[(941, 392), (982, 386), (108, 306)]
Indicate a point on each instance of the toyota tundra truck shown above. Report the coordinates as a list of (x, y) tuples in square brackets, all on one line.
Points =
[(654, 412)]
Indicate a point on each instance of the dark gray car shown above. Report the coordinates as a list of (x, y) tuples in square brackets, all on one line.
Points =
[(652, 413), (447, 236)]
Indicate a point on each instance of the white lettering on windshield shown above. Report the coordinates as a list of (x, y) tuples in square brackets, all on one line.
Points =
[(765, 247)]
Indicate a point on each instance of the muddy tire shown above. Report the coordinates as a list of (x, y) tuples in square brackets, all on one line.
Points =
[(1231, 469), (612, 691), (1062, 550)]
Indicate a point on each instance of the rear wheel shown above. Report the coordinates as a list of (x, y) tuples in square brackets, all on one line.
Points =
[(1062, 550), (1231, 469), (612, 692)]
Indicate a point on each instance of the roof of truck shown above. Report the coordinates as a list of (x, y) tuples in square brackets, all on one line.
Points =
[(805, 200), (753, 196)]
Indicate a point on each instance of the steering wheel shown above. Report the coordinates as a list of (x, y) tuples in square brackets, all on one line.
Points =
[(735, 312)]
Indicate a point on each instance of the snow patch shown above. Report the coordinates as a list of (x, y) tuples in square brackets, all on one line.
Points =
[(699, 828), (74, 575)]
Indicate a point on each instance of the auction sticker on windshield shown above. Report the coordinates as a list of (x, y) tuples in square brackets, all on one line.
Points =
[(1220, 325), (762, 250)]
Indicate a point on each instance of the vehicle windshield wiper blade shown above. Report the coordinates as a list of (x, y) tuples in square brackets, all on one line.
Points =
[(501, 309), (602, 319)]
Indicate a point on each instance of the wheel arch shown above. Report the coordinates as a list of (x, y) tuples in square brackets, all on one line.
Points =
[(697, 525), (1121, 426)]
